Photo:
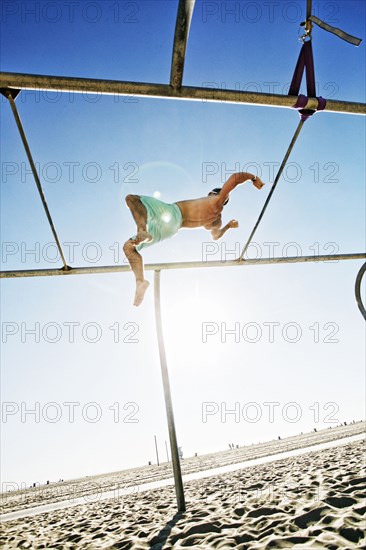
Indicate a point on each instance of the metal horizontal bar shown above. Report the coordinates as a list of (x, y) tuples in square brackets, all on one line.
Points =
[(179, 265), (117, 87)]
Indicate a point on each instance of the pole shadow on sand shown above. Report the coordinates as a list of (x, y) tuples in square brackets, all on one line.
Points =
[(158, 541)]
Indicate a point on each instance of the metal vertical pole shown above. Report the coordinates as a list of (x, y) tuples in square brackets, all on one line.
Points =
[(168, 399), (184, 16), (156, 449), (167, 454), (308, 8), (308, 23)]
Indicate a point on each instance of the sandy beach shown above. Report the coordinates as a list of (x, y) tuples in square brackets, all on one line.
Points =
[(313, 500)]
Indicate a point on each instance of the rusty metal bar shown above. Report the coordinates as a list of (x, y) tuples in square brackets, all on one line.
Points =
[(308, 8), (179, 490), (14, 109), (184, 17), (116, 87), (308, 22), (179, 265)]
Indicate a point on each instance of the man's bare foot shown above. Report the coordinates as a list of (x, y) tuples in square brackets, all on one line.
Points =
[(141, 288), (143, 237)]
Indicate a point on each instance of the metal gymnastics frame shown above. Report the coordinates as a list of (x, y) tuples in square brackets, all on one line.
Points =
[(11, 84), (18, 81)]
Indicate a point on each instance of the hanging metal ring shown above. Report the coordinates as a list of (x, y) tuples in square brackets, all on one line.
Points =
[(360, 274), (305, 31)]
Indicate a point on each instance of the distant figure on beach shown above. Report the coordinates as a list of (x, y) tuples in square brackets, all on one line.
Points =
[(157, 220), (180, 452)]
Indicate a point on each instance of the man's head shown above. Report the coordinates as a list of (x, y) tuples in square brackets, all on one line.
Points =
[(216, 191)]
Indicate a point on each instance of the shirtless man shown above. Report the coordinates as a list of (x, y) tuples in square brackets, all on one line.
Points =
[(157, 221)]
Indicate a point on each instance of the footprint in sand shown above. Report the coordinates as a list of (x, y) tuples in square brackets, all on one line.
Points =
[(313, 516), (340, 502), (264, 512), (351, 534)]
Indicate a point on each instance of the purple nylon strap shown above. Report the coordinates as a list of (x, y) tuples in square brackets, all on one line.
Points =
[(305, 60)]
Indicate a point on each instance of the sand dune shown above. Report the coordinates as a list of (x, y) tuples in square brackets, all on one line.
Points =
[(134, 478), (314, 500)]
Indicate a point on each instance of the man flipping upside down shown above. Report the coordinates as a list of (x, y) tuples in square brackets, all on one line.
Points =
[(157, 221)]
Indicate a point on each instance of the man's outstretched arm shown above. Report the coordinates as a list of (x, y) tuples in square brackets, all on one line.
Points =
[(237, 179)]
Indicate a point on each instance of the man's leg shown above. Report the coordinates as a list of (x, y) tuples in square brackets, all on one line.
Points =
[(137, 266), (139, 214)]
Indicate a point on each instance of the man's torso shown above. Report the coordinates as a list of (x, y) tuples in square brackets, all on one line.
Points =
[(199, 212)]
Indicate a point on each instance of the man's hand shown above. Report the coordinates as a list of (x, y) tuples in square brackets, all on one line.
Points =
[(258, 183), (217, 232)]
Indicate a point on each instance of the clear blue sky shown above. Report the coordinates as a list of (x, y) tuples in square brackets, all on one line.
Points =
[(92, 151)]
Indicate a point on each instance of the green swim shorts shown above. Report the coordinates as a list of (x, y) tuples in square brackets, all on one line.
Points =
[(163, 220)]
